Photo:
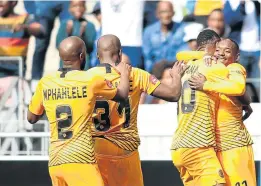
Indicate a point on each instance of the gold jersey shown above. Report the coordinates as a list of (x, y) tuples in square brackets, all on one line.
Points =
[(68, 98), (230, 130), (197, 109), (117, 122)]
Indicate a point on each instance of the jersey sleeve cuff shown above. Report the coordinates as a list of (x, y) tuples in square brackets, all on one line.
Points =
[(34, 111), (154, 87), (207, 86)]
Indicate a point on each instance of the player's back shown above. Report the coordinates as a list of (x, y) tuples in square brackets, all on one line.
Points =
[(197, 109), (69, 100), (117, 122), (230, 130)]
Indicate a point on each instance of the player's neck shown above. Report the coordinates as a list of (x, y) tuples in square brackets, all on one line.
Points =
[(10, 14), (108, 61)]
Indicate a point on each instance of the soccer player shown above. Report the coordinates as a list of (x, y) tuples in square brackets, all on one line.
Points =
[(68, 97), (193, 145), (115, 124), (234, 143)]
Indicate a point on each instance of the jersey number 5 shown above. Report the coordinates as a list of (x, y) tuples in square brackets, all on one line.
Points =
[(102, 108), (64, 120), (190, 96)]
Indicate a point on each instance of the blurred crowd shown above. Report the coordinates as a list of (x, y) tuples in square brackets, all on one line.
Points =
[(150, 33)]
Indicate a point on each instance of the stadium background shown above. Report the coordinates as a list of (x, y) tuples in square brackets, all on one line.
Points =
[(156, 124)]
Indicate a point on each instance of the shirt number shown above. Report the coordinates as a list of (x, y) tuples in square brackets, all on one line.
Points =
[(102, 109), (64, 120), (244, 183), (188, 98)]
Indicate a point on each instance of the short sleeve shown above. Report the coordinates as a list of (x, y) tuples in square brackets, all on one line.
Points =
[(234, 85), (148, 82), (36, 105), (104, 88), (237, 72)]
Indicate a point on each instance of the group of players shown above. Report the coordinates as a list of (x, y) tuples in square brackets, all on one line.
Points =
[(93, 115)]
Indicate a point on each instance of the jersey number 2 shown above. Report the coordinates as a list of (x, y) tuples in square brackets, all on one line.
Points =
[(64, 120), (187, 107), (103, 123)]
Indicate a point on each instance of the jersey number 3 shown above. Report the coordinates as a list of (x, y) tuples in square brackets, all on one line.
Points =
[(103, 123)]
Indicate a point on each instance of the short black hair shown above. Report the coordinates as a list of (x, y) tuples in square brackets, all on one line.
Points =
[(235, 45), (206, 36)]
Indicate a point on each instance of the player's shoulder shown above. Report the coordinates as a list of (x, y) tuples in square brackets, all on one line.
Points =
[(137, 73), (95, 70), (189, 55), (236, 66), (47, 77)]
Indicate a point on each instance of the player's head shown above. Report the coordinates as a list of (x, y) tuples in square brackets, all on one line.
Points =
[(72, 51), (7, 7), (165, 12), (109, 49), (77, 8), (207, 40), (227, 51), (125, 59)]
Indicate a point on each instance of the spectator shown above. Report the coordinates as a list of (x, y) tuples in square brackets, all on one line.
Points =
[(189, 38), (149, 13), (216, 22), (161, 39), (45, 11), (244, 20), (202, 8), (78, 26), (124, 18), (97, 13), (15, 32), (14, 39)]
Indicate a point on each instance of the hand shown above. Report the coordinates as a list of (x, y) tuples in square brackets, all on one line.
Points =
[(19, 27), (197, 81), (69, 27), (209, 60), (178, 69), (248, 111), (124, 69)]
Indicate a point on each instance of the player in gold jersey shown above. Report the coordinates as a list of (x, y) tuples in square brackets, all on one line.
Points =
[(193, 145), (234, 143), (115, 131), (68, 98)]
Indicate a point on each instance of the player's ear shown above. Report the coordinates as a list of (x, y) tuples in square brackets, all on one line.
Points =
[(238, 57), (120, 55), (81, 56)]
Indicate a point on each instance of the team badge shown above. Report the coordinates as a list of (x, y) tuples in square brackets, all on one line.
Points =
[(153, 79), (109, 83)]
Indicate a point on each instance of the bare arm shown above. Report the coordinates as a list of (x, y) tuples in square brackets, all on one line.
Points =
[(32, 118), (36, 29), (171, 92), (124, 86), (36, 108), (245, 99)]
